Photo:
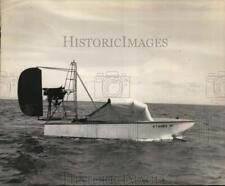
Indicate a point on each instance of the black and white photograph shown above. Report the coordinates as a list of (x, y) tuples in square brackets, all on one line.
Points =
[(112, 92)]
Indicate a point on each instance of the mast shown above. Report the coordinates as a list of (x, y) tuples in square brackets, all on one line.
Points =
[(74, 67), (71, 88)]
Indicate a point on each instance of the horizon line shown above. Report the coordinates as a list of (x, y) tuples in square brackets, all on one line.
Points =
[(165, 103)]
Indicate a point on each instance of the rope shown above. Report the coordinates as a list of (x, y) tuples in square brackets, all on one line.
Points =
[(54, 68), (86, 90)]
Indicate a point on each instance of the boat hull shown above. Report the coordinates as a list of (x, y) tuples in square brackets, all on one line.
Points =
[(133, 131)]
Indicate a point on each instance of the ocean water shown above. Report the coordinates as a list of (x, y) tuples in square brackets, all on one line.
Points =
[(27, 157)]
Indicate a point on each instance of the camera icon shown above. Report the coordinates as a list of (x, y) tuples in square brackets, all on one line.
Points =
[(215, 85), (8, 85), (112, 84)]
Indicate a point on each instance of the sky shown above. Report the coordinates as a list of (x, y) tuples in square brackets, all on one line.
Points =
[(33, 35)]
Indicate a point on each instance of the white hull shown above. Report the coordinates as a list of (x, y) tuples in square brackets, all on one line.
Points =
[(135, 131)]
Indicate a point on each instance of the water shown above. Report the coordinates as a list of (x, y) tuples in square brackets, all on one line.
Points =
[(29, 158)]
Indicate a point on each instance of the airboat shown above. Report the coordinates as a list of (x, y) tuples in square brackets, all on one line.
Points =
[(114, 119)]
